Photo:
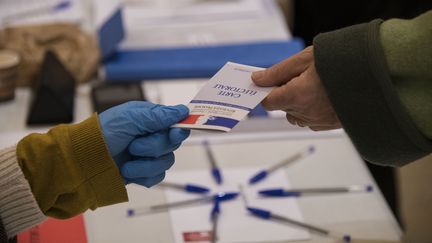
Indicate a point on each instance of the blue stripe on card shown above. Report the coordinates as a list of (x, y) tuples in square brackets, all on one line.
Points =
[(220, 103), (221, 122)]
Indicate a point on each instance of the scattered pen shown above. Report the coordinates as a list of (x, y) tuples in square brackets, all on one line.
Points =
[(214, 217), (220, 196), (215, 171), (243, 195), (193, 188), (268, 215), (264, 173), (280, 192)]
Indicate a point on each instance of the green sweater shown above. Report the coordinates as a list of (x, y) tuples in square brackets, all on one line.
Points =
[(378, 77)]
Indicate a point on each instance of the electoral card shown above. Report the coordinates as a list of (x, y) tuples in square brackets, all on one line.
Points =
[(225, 99)]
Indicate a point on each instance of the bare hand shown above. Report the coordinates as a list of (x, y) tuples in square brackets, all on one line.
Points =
[(300, 93)]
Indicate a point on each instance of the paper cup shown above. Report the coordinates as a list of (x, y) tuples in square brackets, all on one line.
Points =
[(9, 61)]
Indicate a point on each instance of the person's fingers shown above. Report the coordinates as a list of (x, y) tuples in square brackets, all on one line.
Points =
[(321, 128), (157, 144), (283, 97), (326, 127), (158, 117), (148, 182), (284, 71), (137, 118), (146, 167), (178, 135), (291, 119), (295, 120)]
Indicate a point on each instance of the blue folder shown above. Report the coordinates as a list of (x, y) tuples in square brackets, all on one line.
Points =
[(111, 33), (194, 62)]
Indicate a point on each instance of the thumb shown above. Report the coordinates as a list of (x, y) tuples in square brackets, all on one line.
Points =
[(159, 117), (284, 71)]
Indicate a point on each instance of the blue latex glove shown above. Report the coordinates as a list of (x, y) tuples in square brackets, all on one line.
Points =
[(140, 140)]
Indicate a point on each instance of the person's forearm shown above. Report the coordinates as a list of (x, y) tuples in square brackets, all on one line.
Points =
[(408, 51), (70, 169), (352, 66), (18, 207)]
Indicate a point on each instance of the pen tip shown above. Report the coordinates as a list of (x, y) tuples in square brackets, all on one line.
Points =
[(311, 149), (347, 238), (369, 188), (130, 212), (258, 177), (217, 176)]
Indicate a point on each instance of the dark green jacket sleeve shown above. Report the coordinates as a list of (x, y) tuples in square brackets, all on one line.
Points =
[(70, 170), (377, 105)]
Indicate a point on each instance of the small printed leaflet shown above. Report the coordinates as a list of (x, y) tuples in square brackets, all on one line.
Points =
[(225, 100)]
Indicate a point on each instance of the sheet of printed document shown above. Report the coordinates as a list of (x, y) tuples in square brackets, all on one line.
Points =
[(189, 23), (225, 99), (24, 12), (172, 11), (235, 223)]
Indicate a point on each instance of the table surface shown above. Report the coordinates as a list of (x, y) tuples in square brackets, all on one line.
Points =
[(336, 163)]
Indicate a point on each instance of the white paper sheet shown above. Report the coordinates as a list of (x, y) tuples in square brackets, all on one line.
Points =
[(175, 23), (235, 223), (176, 92), (23, 12)]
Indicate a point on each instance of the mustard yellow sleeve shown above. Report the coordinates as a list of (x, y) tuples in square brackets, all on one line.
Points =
[(70, 170)]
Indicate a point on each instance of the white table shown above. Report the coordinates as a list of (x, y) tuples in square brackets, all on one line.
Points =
[(365, 216)]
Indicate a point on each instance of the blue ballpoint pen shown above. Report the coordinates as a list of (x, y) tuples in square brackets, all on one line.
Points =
[(214, 217), (264, 173), (193, 188), (215, 171), (220, 196), (280, 192), (268, 215)]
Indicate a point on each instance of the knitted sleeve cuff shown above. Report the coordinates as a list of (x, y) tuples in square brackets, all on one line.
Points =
[(101, 172), (18, 207), (353, 70)]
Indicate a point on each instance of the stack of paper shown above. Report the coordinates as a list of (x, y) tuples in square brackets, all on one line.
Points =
[(20, 12), (168, 39)]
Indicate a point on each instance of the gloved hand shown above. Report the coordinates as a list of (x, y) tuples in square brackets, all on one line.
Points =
[(140, 140)]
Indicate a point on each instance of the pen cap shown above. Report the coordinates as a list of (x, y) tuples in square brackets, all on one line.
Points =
[(279, 193), (217, 175), (216, 208), (196, 189), (258, 177), (225, 196), (62, 5), (265, 214)]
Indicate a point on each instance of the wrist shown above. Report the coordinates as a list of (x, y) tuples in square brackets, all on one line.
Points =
[(92, 154), (19, 208)]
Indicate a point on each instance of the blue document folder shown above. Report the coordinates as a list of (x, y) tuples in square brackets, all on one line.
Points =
[(194, 62)]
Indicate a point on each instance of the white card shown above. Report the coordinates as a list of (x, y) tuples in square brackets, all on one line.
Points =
[(225, 99)]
